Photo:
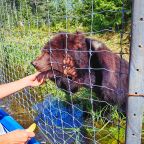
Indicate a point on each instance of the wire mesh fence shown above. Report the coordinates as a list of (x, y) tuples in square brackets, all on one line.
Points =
[(84, 97)]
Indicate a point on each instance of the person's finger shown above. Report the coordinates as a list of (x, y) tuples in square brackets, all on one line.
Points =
[(36, 74), (31, 134), (30, 130), (42, 81)]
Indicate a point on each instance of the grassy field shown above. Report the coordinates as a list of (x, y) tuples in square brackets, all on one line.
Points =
[(19, 46)]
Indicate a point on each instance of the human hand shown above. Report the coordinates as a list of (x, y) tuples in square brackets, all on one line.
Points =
[(16, 137), (33, 80)]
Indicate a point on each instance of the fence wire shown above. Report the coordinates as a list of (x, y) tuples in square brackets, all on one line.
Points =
[(64, 116)]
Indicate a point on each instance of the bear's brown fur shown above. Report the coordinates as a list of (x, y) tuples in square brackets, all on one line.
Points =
[(72, 60)]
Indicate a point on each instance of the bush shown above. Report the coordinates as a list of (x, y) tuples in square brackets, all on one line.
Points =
[(96, 16)]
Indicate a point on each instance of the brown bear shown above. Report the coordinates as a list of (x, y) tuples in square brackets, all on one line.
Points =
[(73, 61)]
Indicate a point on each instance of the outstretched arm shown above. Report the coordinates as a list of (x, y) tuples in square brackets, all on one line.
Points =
[(12, 87)]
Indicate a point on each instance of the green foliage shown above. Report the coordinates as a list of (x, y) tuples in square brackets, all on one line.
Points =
[(103, 13), (64, 14), (107, 131)]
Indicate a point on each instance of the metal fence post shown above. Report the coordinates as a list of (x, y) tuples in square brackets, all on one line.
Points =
[(136, 78)]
